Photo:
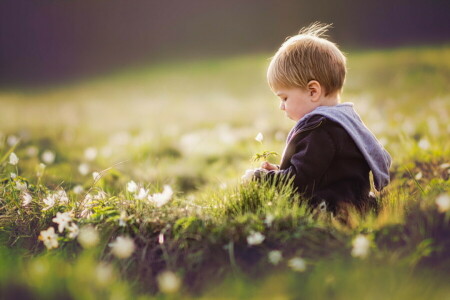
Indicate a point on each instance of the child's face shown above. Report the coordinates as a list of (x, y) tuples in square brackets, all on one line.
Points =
[(296, 102)]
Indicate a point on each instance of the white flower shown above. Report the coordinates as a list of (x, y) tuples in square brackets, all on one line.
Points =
[(361, 245), (443, 202), (78, 189), (49, 237), (123, 219), (160, 199), (122, 247), (255, 238), (259, 137), (418, 176), (26, 199), (161, 238), (132, 187), (269, 219), (275, 257), (32, 151), (424, 144), (40, 170), (248, 176), (73, 230), (21, 186), (61, 196), (297, 264), (142, 194), (83, 168), (48, 157), (88, 237), (62, 219), (13, 159), (12, 140), (96, 176), (50, 201), (13, 175), (168, 282), (90, 153)]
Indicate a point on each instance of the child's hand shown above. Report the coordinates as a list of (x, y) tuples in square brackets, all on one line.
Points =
[(268, 166)]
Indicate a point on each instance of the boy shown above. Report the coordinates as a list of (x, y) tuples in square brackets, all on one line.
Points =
[(329, 152)]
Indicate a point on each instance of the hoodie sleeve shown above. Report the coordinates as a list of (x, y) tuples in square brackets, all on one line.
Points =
[(313, 154)]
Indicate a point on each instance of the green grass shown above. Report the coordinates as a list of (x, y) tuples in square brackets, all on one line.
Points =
[(191, 126)]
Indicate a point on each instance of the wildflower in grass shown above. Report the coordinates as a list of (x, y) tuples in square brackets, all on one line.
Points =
[(168, 282), (13, 159), (73, 230), (255, 238), (49, 237), (275, 257), (269, 219), (248, 175), (160, 199), (83, 169), (418, 176), (21, 186), (61, 196), (96, 176), (40, 170), (132, 187), (12, 140), (259, 137), (161, 238), (26, 199), (50, 201), (141, 195), (78, 189), (443, 202), (297, 264), (48, 157), (424, 144), (62, 219), (12, 175), (122, 247), (88, 237), (90, 153), (361, 245), (32, 151), (123, 219)]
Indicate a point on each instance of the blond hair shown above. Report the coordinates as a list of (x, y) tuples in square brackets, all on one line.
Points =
[(308, 56)]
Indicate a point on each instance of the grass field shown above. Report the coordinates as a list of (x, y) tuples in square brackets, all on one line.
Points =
[(146, 167)]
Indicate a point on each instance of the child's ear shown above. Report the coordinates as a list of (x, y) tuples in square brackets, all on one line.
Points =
[(314, 90)]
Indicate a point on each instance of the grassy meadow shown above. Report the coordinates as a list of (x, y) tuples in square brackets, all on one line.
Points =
[(128, 186)]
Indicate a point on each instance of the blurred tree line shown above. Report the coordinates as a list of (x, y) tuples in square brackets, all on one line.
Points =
[(46, 41)]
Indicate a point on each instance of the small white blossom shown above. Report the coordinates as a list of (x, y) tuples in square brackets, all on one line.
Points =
[(49, 237), (269, 219), (122, 247), (259, 137), (90, 153), (132, 187), (26, 199), (418, 176), (160, 199), (50, 201), (142, 194), (443, 202), (248, 175), (96, 176), (21, 186), (62, 219), (13, 159), (275, 257), (88, 237), (123, 219), (12, 140), (40, 170), (12, 175), (83, 169), (168, 282), (255, 238), (361, 245), (32, 151), (78, 189), (61, 196), (73, 230), (424, 144), (48, 157), (161, 238), (297, 264)]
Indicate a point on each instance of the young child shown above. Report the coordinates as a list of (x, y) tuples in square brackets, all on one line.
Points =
[(329, 152)]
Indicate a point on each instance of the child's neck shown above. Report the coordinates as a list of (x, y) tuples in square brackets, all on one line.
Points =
[(330, 100)]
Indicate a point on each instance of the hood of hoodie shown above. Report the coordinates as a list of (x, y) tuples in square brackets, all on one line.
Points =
[(376, 156)]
